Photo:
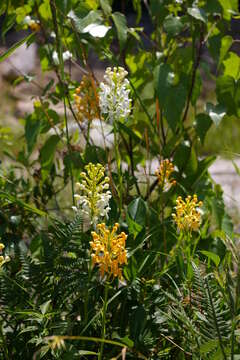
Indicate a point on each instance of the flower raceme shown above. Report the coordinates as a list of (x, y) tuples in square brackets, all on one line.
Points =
[(108, 250), (3, 259), (164, 173), (114, 98), (86, 100), (187, 216), (95, 196)]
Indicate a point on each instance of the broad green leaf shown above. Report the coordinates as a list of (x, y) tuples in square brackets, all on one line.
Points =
[(198, 14), (225, 90), (137, 211), (229, 8), (45, 306), (107, 9), (212, 256), (45, 10), (182, 154), (232, 65), (48, 151), (121, 26), (15, 46), (32, 129), (203, 124), (170, 90), (226, 43), (93, 17), (216, 112), (172, 25)]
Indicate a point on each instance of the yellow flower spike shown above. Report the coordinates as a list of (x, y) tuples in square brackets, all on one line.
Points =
[(187, 216), (3, 259), (108, 251), (2, 246), (164, 173)]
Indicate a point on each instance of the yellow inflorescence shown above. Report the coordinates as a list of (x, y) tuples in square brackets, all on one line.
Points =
[(164, 173), (86, 100), (108, 250), (188, 216), (3, 259)]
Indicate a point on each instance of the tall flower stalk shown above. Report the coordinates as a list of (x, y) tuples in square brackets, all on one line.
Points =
[(115, 105), (109, 254), (94, 196)]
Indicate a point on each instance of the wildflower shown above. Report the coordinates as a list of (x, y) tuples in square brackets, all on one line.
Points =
[(108, 250), (188, 216), (114, 94), (33, 24), (86, 100), (164, 173), (3, 259), (95, 196)]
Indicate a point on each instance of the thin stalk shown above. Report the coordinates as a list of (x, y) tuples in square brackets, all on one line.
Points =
[(118, 162), (61, 79), (105, 304)]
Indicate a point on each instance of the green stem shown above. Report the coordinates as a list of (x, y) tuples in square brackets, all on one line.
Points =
[(105, 304), (61, 78), (118, 162)]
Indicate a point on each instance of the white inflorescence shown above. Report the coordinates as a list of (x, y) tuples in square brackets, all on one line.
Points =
[(95, 196), (114, 94)]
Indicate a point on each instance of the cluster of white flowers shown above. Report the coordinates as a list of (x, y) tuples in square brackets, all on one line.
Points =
[(114, 98), (94, 198)]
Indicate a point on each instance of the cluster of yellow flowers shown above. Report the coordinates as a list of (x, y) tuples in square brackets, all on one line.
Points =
[(164, 173), (108, 250), (3, 259), (86, 100), (188, 216)]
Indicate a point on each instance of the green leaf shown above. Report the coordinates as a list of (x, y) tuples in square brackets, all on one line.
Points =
[(32, 129), (45, 306), (225, 90), (198, 14), (93, 17), (47, 152), (203, 124), (216, 112), (15, 46), (226, 43), (137, 211), (229, 8), (232, 65), (208, 346), (171, 89), (212, 256), (106, 7), (172, 25), (121, 26), (45, 10)]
